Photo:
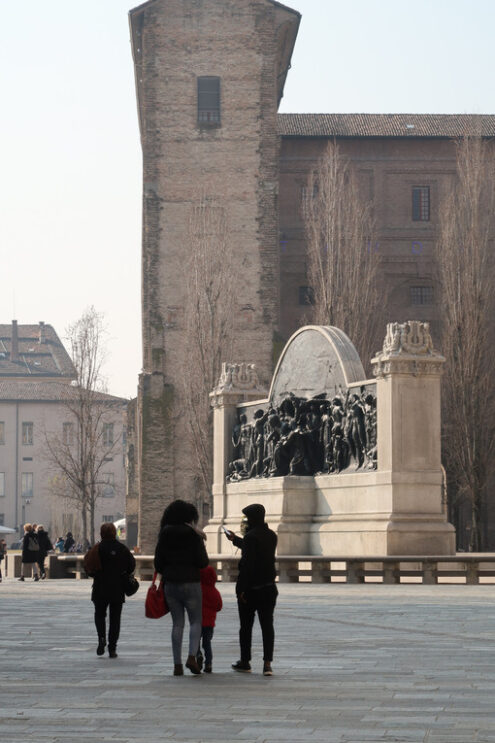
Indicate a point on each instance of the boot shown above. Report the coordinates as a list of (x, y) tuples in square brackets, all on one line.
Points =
[(101, 646), (192, 664), (178, 669)]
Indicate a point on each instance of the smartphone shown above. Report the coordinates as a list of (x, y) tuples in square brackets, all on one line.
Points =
[(227, 532)]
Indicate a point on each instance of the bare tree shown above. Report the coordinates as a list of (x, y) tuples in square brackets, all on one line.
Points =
[(342, 264), (209, 317), (78, 453), (465, 262)]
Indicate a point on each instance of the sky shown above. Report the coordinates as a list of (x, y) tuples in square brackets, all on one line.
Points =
[(70, 185)]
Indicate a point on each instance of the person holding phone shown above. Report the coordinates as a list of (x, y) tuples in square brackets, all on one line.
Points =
[(256, 590)]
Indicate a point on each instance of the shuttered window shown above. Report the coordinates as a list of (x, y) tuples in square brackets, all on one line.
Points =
[(209, 101), (421, 204)]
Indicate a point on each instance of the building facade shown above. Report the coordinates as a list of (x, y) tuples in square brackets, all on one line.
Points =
[(209, 79), (37, 401)]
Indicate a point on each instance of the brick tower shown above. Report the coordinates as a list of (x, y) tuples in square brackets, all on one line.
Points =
[(209, 77)]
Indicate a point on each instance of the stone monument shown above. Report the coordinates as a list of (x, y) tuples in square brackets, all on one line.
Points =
[(343, 465)]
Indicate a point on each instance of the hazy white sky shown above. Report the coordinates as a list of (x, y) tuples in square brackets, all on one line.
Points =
[(71, 158)]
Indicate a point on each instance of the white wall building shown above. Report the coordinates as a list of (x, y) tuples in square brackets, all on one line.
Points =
[(37, 394)]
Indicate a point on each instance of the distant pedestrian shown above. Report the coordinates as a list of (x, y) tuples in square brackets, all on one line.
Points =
[(211, 604), (30, 553), (108, 562), (59, 544), (256, 590), (45, 546), (3, 552), (69, 542)]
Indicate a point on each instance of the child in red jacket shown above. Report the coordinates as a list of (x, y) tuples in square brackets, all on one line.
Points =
[(212, 602)]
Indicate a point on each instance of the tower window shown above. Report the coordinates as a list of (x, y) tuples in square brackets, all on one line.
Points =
[(209, 101), (421, 294), (421, 204)]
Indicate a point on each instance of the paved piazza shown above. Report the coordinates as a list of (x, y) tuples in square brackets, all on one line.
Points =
[(353, 664)]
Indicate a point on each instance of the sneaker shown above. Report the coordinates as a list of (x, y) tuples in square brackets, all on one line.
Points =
[(36, 577), (192, 664), (101, 646), (242, 666), (21, 578), (267, 669), (207, 669), (43, 576), (178, 669)]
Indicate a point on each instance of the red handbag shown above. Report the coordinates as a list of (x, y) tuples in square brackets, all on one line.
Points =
[(155, 605)]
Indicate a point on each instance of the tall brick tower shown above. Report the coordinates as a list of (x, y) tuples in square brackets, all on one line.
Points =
[(209, 77)]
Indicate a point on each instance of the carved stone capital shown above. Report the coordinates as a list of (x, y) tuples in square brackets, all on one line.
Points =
[(408, 349), (237, 383)]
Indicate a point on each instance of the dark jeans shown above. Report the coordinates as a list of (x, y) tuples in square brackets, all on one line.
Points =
[(261, 600), (100, 617), (206, 635), (41, 564)]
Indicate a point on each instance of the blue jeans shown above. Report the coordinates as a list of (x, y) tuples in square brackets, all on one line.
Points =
[(186, 596)]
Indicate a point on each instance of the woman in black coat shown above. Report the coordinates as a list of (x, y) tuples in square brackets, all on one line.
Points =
[(179, 556), (45, 546), (113, 561), (30, 553)]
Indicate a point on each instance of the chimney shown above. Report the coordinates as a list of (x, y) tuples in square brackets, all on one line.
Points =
[(42, 332), (14, 348)]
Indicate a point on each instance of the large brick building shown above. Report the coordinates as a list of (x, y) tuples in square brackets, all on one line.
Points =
[(209, 78)]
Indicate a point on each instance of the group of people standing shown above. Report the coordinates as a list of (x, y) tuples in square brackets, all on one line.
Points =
[(188, 582)]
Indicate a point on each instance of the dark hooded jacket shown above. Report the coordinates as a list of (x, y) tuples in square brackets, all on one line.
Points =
[(180, 554), (116, 559), (257, 563)]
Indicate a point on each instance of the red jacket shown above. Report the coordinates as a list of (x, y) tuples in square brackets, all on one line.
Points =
[(212, 601)]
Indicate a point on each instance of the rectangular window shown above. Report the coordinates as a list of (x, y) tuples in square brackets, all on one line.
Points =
[(108, 519), (209, 101), (108, 484), (107, 434), (2, 432), (2, 484), (306, 295), (27, 484), (68, 433), (421, 294), (421, 203), (27, 434)]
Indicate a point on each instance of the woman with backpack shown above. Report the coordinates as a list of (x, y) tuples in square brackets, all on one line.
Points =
[(30, 553)]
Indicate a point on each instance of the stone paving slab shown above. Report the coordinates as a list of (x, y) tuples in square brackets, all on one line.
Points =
[(353, 664)]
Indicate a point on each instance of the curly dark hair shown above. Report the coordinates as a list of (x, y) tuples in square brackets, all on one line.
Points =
[(179, 512)]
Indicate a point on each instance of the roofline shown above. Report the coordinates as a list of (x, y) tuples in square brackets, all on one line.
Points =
[(284, 7)]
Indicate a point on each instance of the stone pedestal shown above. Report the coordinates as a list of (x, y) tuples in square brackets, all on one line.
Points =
[(394, 510), (238, 383)]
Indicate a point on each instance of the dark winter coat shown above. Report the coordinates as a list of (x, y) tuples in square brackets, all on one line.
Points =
[(69, 542), (44, 543), (180, 554), (116, 560), (212, 601), (30, 555), (257, 563)]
